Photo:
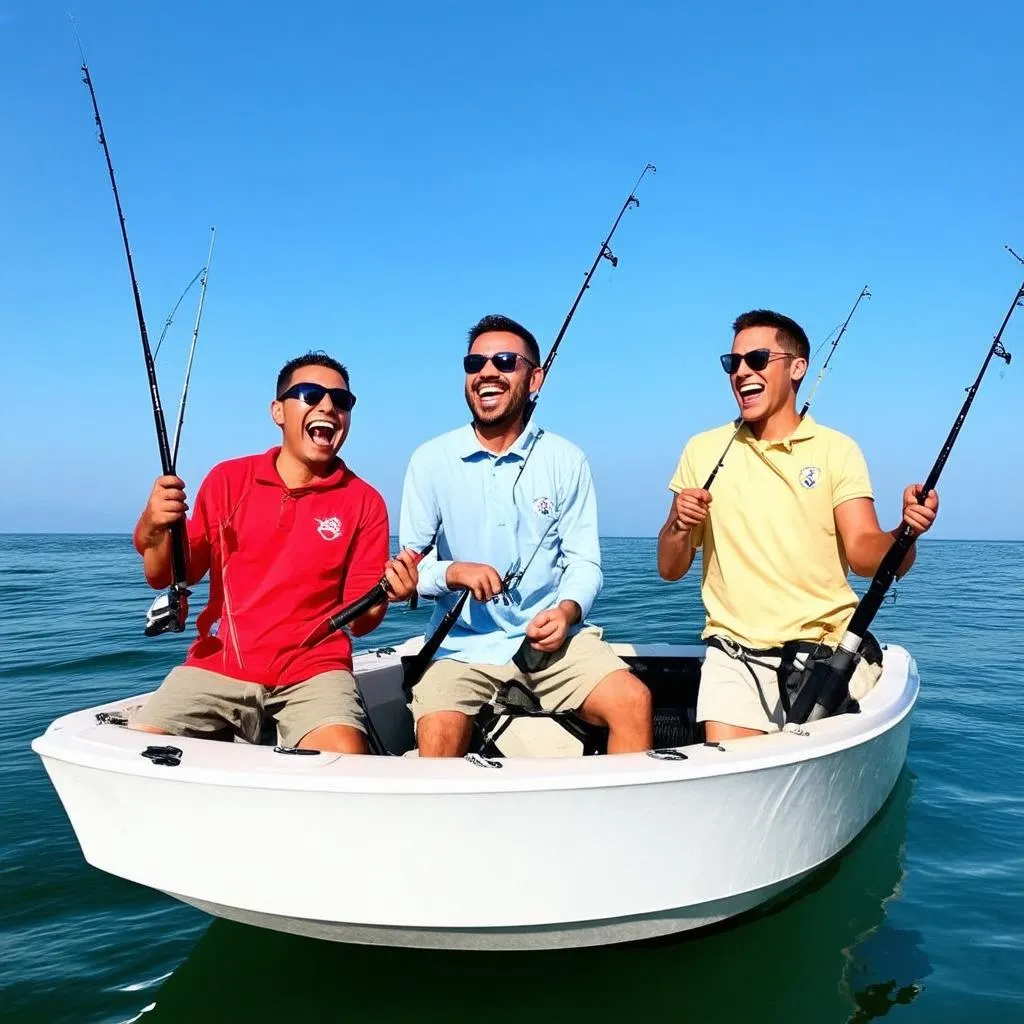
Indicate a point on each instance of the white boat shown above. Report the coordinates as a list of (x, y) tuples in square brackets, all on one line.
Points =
[(548, 850)]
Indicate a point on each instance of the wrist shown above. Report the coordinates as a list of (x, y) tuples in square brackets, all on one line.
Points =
[(571, 610), (149, 536)]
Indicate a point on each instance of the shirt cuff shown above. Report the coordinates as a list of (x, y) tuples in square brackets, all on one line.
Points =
[(432, 577), (582, 587)]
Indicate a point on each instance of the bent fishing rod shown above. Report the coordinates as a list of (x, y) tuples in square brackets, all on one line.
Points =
[(170, 316), (192, 348), (169, 611), (827, 684), (864, 294), (418, 664)]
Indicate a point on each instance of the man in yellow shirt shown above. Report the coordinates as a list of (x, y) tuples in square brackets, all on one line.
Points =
[(792, 513)]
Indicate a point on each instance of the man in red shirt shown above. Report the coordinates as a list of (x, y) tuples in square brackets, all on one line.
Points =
[(288, 537)]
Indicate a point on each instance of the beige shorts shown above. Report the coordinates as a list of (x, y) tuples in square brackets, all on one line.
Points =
[(196, 702), (561, 685), (729, 694)]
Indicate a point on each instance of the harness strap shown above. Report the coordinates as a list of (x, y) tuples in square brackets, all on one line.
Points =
[(791, 676), (790, 648)]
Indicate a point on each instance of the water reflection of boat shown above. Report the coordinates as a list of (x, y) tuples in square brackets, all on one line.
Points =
[(798, 961)]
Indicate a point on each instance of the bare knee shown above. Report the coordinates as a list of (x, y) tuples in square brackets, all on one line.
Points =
[(151, 729), (337, 738), (443, 734), (619, 698), (714, 732)]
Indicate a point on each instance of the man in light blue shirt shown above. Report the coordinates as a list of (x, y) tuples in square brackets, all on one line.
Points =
[(515, 518)]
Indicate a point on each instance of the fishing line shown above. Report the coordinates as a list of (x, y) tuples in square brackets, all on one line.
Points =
[(168, 612), (514, 574), (865, 293)]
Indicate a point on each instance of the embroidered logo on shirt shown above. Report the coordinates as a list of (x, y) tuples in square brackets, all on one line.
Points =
[(543, 506), (329, 529), (809, 476)]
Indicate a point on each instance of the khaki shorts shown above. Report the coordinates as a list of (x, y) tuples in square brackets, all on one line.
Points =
[(729, 694), (562, 685), (196, 702)]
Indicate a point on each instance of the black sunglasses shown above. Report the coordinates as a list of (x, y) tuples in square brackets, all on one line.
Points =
[(504, 362), (313, 394), (756, 359)]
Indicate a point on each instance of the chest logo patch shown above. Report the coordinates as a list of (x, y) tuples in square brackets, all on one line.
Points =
[(809, 476), (543, 506), (330, 528)]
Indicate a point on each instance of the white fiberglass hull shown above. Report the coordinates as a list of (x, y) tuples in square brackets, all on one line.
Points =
[(539, 852)]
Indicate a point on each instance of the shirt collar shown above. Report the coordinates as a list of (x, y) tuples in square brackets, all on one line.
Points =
[(805, 430), (266, 473), (469, 444)]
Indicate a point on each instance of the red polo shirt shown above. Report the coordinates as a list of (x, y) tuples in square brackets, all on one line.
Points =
[(280, 562)]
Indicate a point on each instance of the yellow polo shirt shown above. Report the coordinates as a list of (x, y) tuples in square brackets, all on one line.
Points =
[(774, 568)]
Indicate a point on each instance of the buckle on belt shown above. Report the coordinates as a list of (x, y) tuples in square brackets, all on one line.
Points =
[(730, 647)]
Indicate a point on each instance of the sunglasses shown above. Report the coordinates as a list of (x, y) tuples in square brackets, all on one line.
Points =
[(756, 359), (313, 395), (504, 362)]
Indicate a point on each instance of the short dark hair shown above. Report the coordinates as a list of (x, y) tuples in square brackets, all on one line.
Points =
[(497, 322), (318, 358), (788, 333)]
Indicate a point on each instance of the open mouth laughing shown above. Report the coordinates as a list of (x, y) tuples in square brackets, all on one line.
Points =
[(323, 432), (489, 394), (749, 393)]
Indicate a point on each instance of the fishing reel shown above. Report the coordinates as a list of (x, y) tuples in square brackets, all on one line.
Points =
[(999, 351), (169, 612)]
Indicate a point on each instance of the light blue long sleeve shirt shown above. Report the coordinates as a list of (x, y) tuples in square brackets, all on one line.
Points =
[(547, 520)]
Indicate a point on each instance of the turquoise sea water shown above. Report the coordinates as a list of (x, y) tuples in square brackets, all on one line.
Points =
[(921, 920)]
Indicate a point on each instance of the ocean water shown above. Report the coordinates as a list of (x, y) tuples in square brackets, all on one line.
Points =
[(921, 920)]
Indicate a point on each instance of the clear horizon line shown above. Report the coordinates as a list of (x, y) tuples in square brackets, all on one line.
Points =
[(603, 536)]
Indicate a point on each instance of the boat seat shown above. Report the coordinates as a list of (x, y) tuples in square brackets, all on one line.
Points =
[(673, 682)]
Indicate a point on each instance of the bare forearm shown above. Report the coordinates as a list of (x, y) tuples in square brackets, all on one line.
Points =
[(155, 547), (675, 551), (368, 621), (869, 553)]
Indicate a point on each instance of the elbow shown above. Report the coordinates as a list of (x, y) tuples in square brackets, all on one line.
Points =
[(670, 573), (158, 580)]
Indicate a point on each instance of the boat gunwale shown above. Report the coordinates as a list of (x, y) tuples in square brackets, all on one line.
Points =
[(72, 739)]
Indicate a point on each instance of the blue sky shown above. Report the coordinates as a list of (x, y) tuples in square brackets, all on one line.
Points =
[(381, 175)]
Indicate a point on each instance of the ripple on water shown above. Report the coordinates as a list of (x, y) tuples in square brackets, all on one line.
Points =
[(920, 924)]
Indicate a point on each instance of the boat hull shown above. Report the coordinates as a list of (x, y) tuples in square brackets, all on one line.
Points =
[(537, 853)]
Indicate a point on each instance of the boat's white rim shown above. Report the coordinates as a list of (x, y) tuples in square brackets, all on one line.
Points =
[(78, 739)]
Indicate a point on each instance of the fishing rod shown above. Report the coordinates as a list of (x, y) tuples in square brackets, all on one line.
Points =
[(379, 592), (192, 348), (419, 662), (170, 316), (865, 294), (169, 611), (376, 595), (604, 253), (827, 684)]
